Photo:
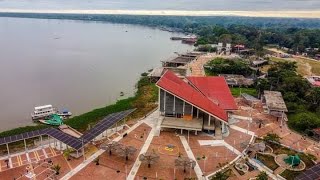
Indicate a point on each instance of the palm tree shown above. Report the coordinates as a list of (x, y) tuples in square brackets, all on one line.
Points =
[(113, 146), (66, 154), (125, 151), (149, 158), (56, 168), (97, 160), (262, 176), (220, 176), (185, 163)]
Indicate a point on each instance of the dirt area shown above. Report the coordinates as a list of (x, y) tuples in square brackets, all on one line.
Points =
[(306, 66)]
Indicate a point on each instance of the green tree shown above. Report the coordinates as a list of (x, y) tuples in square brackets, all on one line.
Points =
[(304, 121), (220, 176), (262, 176), (56, 168), (271, 137), (225, 38), (313, 96), (66, 154)]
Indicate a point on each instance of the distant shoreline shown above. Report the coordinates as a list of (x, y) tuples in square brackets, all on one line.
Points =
[(313, 14)]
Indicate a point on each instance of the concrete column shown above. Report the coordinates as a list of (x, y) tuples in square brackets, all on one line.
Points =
[(174, 104), (223, 127), (282, 116), (8, 150), (41, 141), (25, 145), (209, 120), (159, 100), (181, 131), (164, 102), (184, 104), (191, 111), (197, 113)]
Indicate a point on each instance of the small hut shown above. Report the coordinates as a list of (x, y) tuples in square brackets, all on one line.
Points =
[(292, 160)]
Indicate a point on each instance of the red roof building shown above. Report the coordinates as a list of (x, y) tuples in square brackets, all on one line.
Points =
[(204, 102)]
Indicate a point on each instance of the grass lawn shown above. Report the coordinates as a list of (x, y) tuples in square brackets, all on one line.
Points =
[(223, 176), (315, 65), (235, 91), (289, 175), (307, 159), (268, 161)]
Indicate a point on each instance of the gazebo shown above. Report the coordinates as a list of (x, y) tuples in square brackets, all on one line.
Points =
[(292, 160)]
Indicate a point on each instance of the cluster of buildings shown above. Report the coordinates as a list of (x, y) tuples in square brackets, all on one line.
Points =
[(205, 103)]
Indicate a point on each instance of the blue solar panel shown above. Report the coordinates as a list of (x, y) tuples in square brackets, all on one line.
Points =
[(71, 141)]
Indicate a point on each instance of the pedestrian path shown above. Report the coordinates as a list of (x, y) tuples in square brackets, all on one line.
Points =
[(191, 156), (95, 155), (262, 168), (143, 150), (242, 130)]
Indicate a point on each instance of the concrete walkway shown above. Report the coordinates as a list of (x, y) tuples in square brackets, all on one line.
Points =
[(191, 156), (151, 120), (262, 168), (245, 131), (95, 155)]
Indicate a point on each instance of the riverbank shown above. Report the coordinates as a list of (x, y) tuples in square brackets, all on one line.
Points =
[(143, 100)]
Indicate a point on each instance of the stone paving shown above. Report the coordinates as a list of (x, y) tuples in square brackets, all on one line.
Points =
[(114, 166), (21, 159), (269, 124)]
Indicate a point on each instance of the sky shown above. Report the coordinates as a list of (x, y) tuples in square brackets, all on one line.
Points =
[(194, 5)]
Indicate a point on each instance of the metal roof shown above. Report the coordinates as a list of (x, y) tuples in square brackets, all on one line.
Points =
[(216, 89), (42, 107), (176, 86), (312, 173), (75, 143)]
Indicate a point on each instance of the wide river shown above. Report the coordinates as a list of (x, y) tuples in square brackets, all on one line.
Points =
[(74, 64)]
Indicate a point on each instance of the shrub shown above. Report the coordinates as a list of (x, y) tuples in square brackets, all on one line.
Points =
[(304, 121)]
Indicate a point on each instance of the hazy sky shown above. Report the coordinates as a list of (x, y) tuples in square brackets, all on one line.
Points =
[(247, 5)]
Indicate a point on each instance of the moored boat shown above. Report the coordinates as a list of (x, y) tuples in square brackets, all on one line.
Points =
[(46, 111)]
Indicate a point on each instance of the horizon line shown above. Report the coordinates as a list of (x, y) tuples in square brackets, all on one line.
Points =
[(314, 14)]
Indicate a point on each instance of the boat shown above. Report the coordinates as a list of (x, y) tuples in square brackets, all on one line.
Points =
[(53, 119), (42, 112), (64, 113)]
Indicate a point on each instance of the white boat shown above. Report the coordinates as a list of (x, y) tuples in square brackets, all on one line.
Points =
[(64, 113), (42, 112)]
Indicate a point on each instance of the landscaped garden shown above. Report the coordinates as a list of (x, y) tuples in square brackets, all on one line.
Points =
[(268, 161)]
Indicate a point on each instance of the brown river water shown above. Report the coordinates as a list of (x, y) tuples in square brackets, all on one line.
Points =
[(74, 64)]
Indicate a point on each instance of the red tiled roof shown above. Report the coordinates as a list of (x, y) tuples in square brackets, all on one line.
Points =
[(216, 89), (316, 83), (176, 86)]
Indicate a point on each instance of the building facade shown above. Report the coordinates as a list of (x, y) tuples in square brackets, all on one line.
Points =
[(195, 103)]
